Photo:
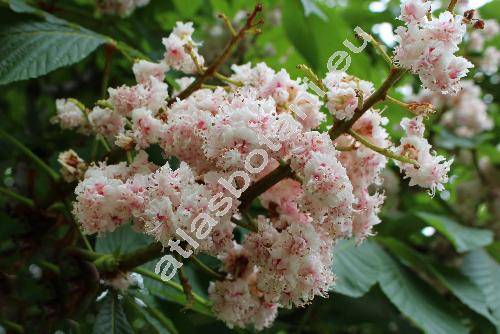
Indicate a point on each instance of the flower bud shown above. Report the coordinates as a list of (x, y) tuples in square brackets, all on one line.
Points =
[(72, 166)]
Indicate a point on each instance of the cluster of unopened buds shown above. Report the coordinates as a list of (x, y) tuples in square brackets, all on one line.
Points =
[(230, 138)]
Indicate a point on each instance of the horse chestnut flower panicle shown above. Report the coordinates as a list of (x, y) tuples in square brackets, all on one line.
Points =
[(427, 47), (432, 170), (216, 134)]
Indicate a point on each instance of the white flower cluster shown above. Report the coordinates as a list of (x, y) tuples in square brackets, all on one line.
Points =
[(432, 169), (427, 47), (344, 93), (216, 133)]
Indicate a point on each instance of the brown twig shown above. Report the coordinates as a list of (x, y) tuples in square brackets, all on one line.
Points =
[(281, 172), (212, 69)]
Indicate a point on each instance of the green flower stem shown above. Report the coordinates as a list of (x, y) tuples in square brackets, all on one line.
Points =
[(154, 312), (312, 76), (20, 198), (228, 24), (162, 319), (172, 284), (109, 50), (84, 254), (12, 326), (222, 77), (198, 263), (379, 48), (104, 143), (36, 160), (397, 102), (381, 150)]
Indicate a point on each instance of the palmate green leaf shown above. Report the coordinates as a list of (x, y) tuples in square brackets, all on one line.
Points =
[(417, 300), (356, 267), (30, 49), (300, 33), (463, 238), (460, 285), (111, 319), (485, 272), (122, 240)]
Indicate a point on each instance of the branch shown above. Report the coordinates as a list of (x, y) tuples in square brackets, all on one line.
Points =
[(129, 261), (452, 5), (283, 171), (186, 287), (212, 69)]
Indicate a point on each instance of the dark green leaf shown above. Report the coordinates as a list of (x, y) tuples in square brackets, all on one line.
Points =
[(462, 237), (461, 286), (356, 267), (31, 49), (111, 318), (417, 300), (485, 272), (311, 8), (123, 240)]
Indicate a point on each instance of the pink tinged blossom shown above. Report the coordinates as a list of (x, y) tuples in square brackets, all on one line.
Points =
[(147, 130), (109, 195), (294, 265), (414, 11), (343, 92), (466, 113), (144, 70), (284, 91), (151, 94), (432, 170), (176, 56), (121, 8), (238, 304), (490, 60), (428, 47), (69, 115), (106, 122)]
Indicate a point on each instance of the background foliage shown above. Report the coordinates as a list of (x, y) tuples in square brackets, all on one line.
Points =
[(399, 281)]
